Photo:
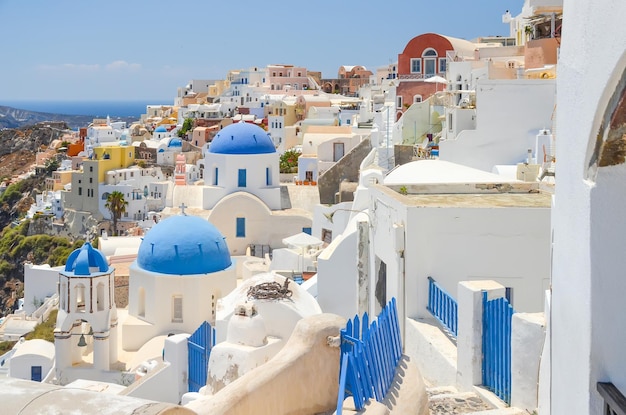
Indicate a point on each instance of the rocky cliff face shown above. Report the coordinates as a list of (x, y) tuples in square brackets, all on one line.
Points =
[(16, 118), (30, 138)]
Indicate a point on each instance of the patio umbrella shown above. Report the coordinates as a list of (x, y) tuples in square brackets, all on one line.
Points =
[(436, 80), (302, 241)]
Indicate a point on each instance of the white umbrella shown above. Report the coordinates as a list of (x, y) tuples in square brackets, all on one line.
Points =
[(302, 241), (436, 80)]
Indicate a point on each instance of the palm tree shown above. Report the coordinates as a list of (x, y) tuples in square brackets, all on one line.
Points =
[(116, 205)]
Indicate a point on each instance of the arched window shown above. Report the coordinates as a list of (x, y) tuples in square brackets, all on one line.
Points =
[(430, 62), (100, 297), (417, 98), (63, 297), (79, 291), (141, 306)]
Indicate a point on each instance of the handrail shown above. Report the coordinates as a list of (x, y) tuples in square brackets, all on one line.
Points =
[(614, 401)]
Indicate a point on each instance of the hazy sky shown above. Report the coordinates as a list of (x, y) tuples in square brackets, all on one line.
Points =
[(133, 50)]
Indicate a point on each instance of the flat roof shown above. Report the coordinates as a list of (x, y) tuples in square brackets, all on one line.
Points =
[(481, 200)]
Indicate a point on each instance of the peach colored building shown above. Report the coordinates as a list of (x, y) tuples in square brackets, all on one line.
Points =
[(305, 102), (349, 79), (287, 77)]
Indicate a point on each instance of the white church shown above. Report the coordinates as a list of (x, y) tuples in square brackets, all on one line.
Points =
[(241, 193)]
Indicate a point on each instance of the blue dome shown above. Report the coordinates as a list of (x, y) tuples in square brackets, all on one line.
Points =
[(242, 138), (86, 260), (160, 129), (183, 245), (175, 142)]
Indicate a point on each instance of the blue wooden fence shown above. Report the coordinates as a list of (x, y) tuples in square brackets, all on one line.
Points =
[(199, 346), (497, 316), (369, 356), (443, 307)]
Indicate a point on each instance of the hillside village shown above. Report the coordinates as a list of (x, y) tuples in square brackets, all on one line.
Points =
[(232, 236)]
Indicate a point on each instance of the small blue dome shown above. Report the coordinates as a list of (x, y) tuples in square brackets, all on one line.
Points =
[(242, 138), (183, 245), (160, 129), (86, 260), (175, 142)]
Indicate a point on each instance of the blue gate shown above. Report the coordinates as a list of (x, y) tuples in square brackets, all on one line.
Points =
[(369, 356), (199, 346), (497, 316)]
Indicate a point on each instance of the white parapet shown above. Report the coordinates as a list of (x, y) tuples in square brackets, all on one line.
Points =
[(527, 338), (469, 340)]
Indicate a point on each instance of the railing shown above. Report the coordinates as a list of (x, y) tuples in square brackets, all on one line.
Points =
[(614, 401), (369, 356), (443, 307), (497, 316)]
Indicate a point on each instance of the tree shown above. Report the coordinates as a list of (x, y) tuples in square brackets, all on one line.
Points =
[(117, 206), (187, 126), (289, 161)]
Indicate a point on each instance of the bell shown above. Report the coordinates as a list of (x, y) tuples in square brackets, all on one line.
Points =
[(81, 341)]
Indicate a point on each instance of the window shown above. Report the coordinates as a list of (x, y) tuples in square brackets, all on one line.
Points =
[(141, 307), (338, 151), (399, 102), (306, 230), (80, 191), (80, 298), (268, 177), (416, 65), (430, 62), (91, 169), (417, 98), (430, 67), (327, 235), (215, 177), (242, 178), (443, 64), (177, 309), (241, 228), (100, 297)]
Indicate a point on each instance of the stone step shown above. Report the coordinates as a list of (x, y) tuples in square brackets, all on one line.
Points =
[(447, 400)]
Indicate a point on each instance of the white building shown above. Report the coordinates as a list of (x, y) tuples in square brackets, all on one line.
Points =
[(587, 330), (183, 266), (40, 282), (437, 219), (138, 187), (241, 191), (503, 124), (32, 360), (87, 310)]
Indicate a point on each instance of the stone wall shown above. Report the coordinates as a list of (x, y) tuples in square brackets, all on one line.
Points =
[(346, 169)]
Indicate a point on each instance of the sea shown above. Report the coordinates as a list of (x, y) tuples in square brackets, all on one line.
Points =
[(98, 109)]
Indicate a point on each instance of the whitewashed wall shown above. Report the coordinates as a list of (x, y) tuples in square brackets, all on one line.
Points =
[(509, 113), (588, 282), (40, 281)]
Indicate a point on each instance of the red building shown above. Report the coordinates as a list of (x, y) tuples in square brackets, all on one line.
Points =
[(426, 56)]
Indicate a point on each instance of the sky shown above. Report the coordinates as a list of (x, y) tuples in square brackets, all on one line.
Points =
[(134, 50)]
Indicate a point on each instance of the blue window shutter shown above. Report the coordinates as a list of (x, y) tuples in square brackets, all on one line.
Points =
[(241, 228)]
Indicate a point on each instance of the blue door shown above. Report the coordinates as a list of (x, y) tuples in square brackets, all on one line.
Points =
[(35, 373), (199, 349)]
